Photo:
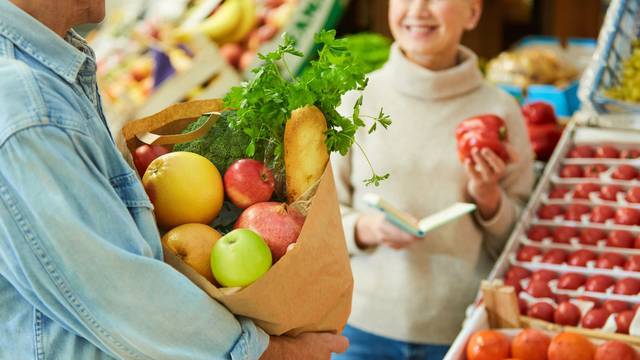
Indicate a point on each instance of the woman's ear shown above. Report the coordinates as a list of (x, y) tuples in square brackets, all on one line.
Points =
[(474, 15)]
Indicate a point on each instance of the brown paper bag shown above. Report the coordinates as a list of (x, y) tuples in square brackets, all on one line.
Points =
[(308, 289)]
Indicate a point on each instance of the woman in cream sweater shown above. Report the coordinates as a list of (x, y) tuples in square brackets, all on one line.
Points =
[(411, 294)]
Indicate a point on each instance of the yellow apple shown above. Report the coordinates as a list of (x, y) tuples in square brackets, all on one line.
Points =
[(184, 188), (193, 244)]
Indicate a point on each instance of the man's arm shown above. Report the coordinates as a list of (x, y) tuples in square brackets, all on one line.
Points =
[(70, 247)]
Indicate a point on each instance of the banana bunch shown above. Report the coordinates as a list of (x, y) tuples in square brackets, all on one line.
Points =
[(231, 22)]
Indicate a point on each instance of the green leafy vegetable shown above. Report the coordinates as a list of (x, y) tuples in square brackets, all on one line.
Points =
[(264, 104)]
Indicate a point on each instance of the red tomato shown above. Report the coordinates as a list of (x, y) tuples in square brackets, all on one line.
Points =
[(623, 321), (625, 172), (527, 253), (544, 139), (630, 154), (615, 306), (554, 256), (515, 284), (567, 314), (558, 193), (483, 123), (522, 306), (538, 233), (571, 281), (488, 345), (530, 344), (481, 140), (598, 283), (627, 216), (564, 234), (607, 152), (601, 214), (517, 273), (620, 239), (571, 171), (615, 350), (539, 289), (539, 113), (583, 190), (633, 263), (548, 212), (593, 171), (145, 154), (610, 260), (541, 310), (543, 275), (627, 286), (581, 257), (591, 236), (637, 243), (610, 192), (595, 319), (633, 195), (582, 151), (575, 211)]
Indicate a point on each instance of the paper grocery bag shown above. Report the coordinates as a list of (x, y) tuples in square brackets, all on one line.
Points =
[(308, 289)]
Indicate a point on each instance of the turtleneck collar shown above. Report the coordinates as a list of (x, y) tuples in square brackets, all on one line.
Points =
[(414, 80)]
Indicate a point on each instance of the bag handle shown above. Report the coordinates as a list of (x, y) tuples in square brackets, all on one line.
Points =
[(150, 138)]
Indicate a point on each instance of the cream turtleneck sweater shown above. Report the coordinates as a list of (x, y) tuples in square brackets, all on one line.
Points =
[(419, 294)]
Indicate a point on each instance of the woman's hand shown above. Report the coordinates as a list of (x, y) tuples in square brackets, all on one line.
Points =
[(485, 172), (374, 229)]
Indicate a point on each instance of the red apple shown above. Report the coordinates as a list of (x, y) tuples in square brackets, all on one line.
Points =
[(591, 236), (581, 258), (620, 239), (558, 193), (610, 192), (567, 314), (554, 256), (601, 214), (633, 263), (625, 172), (278, 225), (595, 318), (575, 211), (583, 190), (541, 310), (627, 216), (627, 286), (623, 321), (248, 182), (633, 195), (615, 306), (548, 212), (145, 154), (610, 260), (571, 281), (593, 171), (571, 171), (538, 233), (598, 283), (607, 152)]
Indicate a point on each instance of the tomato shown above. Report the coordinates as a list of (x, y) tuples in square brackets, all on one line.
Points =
[(564, 234), (623, 321), (583, 190), (538, 233), (145, 154), (548, 212), (601, 214), (558, 193), (598, 283), (571, 171), (568, 346), (632, 263), (527, 253), (627, 216), (544, 139), (522, 306), (591, 236), (567, 314), (633, 195), (593, 171), (615, 350), (483, 123), (620, 239), (625, 172), (543, 275), (571, 281), (554, 256), (627, 286), (637, 243), (610, 192), (607, 152), (595, 318), (517, 273), (515, 284), (539, 113), (615, 306), (581, 258), (541, 310), (630, 154), (610, 260), (488, 345), (481, 140), (539, 289), (530, 344), (582, 151), (575, 211)]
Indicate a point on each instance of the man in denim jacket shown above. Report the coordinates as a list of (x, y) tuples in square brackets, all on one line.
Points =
[(81, 271)]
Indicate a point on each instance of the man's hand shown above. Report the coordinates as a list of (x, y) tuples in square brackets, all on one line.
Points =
[(308, 346), (372, 230), (485, 172)]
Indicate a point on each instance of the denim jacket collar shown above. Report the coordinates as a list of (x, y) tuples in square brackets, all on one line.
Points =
[(40, 42)]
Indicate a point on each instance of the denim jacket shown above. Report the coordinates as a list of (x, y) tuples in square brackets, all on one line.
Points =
[(81, 271)]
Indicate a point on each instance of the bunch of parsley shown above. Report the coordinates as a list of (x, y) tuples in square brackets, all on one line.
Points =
[(264, 104)]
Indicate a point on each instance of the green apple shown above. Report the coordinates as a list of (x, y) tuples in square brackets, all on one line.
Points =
[(240, 258)]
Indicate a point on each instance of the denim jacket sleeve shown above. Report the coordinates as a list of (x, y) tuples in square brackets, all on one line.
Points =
[(72, 249)]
